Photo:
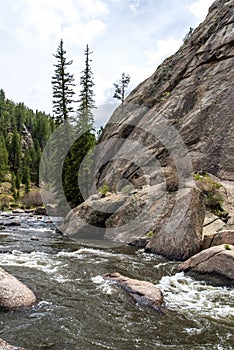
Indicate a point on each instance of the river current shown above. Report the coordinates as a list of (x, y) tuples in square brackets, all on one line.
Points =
[(78, 310)]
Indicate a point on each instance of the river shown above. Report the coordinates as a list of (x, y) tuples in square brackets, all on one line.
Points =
[(78, 310)]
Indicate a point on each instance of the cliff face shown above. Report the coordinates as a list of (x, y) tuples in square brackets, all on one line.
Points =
[(177, 122), (193, 90)]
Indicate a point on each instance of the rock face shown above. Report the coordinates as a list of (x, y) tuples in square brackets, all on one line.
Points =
[(5, 346), (191, 89), (13, 293), (145, 293), (216, 263), (218, 238), (177, 122), (180, 237)]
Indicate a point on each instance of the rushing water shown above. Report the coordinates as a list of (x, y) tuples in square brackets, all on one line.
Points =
[(78, 310)]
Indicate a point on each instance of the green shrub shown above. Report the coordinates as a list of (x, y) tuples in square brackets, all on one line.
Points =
[(213, 199), (150, 234), (103, 189)]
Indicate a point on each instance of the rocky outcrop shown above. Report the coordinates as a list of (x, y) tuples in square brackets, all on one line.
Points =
[(26, 139), (143, 292), (5, 346), (177, 122), (216, 264), (13, 293), (180, 236), (222, 237)]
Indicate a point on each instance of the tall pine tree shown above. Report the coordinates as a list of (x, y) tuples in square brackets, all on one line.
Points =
[(86, 140), (63, 83)]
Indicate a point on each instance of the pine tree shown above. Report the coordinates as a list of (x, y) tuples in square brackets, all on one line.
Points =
[(13, 185), (15, 154), (18, 180), (3, 158), (63, 83), (86, 101), (86, 140), (26, 179), (121, 87)]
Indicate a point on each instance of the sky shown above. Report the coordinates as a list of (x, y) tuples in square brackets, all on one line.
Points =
[(131, 36)]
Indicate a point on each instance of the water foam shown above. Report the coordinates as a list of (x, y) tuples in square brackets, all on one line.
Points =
[(105, 286), (36, 260), (185, 294)]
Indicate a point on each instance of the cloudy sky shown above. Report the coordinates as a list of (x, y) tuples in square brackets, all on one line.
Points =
[(131, 36)]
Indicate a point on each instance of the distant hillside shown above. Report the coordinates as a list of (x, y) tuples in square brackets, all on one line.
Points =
[(23, 135)]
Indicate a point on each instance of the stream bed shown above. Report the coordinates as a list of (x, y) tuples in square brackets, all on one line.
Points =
[(78, 310)]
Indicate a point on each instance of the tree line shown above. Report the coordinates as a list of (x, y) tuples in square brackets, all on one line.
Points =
[(23, 135)]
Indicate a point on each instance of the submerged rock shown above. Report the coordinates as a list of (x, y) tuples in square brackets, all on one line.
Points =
[(143, 292), (13, 293), (215, 264)]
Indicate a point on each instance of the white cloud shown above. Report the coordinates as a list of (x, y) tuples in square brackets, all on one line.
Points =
[(164, 48), (85, 33), (134, 5), (200, 8), (79, 20), (131, 36)]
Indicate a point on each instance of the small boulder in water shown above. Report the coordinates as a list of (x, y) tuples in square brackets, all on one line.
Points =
[(34, 238), (18, 211), (13, 293), (143, 292)]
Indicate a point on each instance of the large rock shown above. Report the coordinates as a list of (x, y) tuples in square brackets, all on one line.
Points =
[(143, 292), (218, 238), (180, 236), (5, 346), (120, 217), (177, 121), (89, 219), (13, 293), (216, 263)]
